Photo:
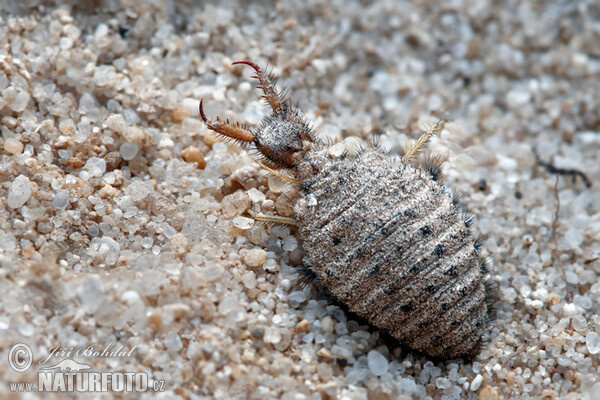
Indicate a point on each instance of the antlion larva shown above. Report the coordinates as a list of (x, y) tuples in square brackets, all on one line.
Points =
[(389, 243)]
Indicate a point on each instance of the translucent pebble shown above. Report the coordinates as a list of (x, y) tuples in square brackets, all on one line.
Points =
[(290, 243), (83, 130), (139, 190), (228, 304), (592, 341), (256, 195), (101, 31), (19, 192), (7, 242), (75, 74), (531, 259), (65, 154), (128, 150), (147, 242), (164, 143), (308, 338), (117, 123), (360, 334), (255, 257), (341, 328), (377, 363), (525, 291), (180, 244), (573, 238), (130, 297), (408, 385), (584, 301), (113, 105), (435, 102), (33, 213), (212, 272), (507, 163), (517, 98), (476, 383), (65, 43), (327, 324), (579, 323), (130, 116), (541, 294), (587, 276), (537, 304), (351, 378), (173, 341), (110, 178), (105, 75), (191, 105), (297, 297), (272, 335), (13, 146), (572, 277), (110, 250), (3, 80), (243, 222), (451, 396), (570, 310), (342, 352), (95, 166), (21, 101), (453, 375), (443, 383), (87, 101), (249, 280), (91, 295), (26, 330), (169, 232), (67, 126)]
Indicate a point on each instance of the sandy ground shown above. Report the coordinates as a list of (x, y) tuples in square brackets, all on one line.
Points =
[(124, 223)]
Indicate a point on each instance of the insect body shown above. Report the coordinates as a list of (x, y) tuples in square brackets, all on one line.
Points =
[(389, 243)]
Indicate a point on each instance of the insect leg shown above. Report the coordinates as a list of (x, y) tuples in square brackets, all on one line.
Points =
[(281, 176), (273, 218), (226, 129), (423, 139), (270, 93)]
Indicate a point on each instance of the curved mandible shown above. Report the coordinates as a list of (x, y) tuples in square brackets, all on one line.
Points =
[(235, 132), (270, 93)]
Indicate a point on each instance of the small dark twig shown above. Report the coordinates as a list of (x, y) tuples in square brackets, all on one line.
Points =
[(561, 171)]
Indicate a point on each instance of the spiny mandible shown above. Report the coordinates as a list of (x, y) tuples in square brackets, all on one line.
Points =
[(389, 243)]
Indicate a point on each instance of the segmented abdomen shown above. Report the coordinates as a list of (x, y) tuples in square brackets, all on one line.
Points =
[(390, 245)]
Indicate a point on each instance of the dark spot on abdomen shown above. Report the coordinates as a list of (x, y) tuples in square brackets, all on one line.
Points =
[(439, 250), (374, 270), (451, 271)]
